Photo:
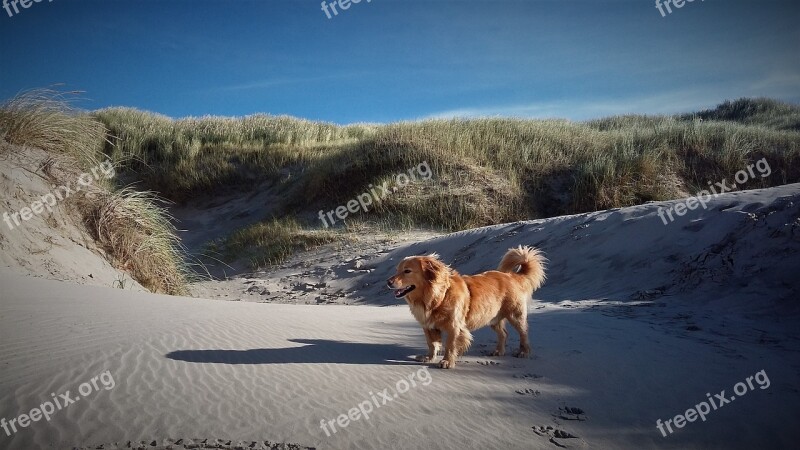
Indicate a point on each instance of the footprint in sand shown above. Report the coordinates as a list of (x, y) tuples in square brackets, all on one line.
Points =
[(528, 376), (488, 363), (559, 438), (528, 391), (570, 413)]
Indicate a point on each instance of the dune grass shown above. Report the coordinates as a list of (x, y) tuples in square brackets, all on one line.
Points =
[(763, 111), (186, 157), (485, 171), (133, 229), (273, 241), (140, 238), (42, 118)]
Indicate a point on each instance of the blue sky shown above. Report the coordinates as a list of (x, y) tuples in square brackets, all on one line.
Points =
[(390, 60)]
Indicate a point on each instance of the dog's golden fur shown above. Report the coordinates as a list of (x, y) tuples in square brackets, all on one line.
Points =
[(442, 300)]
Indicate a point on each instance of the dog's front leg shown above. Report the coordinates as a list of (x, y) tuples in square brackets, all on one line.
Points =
[(434, 339), (450, 350)]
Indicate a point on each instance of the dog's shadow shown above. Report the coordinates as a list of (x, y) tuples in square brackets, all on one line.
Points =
[(316, 351)]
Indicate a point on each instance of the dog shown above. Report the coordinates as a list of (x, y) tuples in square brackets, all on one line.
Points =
[(442, 300)]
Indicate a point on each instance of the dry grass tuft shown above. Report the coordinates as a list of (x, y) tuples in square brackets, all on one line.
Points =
[(140, 237), (42, 118)]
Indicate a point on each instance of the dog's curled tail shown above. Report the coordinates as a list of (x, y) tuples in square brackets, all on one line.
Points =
[(530, 261)]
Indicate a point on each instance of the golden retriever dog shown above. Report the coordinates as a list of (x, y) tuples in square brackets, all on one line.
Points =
[(442, 300)]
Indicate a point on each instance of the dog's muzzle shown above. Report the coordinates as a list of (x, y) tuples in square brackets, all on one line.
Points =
[(400, 293)]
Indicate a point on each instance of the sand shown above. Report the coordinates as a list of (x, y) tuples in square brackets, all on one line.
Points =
[(637, 322)]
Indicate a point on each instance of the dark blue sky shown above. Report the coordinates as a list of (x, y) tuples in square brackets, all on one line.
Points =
[(390, 60)]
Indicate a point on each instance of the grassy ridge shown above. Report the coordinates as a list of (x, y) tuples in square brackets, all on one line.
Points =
[(181, 158), (486, 171), (764, 111)]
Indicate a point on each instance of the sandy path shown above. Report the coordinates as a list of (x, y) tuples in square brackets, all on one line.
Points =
[(331, 274)]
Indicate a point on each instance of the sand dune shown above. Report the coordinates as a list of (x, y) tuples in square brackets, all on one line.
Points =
[(637, 323), (53, 244)]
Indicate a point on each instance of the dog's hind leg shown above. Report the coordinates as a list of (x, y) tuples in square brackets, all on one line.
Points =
[(500, 329), (434, 338), (463, 341), (519, 320)]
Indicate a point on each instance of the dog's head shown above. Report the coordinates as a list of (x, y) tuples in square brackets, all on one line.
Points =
[(420, 277)]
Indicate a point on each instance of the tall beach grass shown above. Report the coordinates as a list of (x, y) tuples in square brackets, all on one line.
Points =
[(486, 171)]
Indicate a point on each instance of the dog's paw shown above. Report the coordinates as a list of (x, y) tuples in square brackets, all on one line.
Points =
[(498, 353), (445, 364), (424, 358), (523, 354)]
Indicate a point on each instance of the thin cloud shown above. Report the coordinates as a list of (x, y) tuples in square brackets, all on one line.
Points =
[(665, 103), (283, 81), (778, 84)]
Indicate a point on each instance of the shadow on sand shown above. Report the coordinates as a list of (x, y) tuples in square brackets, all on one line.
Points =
[(316, 351)]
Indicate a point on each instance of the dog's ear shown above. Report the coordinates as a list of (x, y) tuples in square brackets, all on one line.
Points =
[(432, 268)]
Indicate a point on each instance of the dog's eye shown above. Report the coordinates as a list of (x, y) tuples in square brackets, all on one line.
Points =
[(407, 271)]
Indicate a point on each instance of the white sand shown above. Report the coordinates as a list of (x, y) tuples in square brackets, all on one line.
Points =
[(637, 322)]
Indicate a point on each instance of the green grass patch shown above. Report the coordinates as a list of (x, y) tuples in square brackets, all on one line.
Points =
[(272, 242)]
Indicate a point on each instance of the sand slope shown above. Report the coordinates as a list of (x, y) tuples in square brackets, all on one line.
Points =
[(637, 322), (54, 244), (746, 244)]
